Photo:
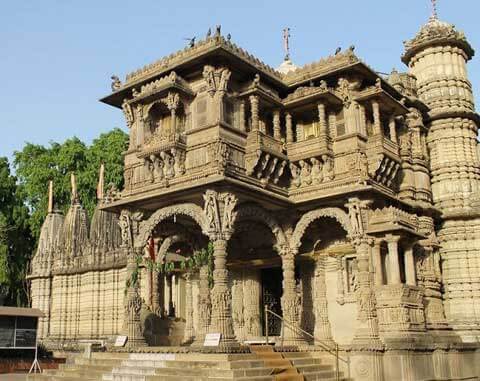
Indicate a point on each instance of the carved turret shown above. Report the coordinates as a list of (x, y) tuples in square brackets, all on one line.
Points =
[(74, 236), (105, 232), (437, 57)]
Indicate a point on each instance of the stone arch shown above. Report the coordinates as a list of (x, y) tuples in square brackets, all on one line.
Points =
[(188, 209), (257, 213), (169, 241), (302, 225)]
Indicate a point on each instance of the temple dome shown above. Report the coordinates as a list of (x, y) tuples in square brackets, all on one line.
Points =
[(105, 232), (286, 66), (74, 236), (436, 32)]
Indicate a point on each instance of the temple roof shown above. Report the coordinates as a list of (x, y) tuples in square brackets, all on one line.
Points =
[(433, 33)]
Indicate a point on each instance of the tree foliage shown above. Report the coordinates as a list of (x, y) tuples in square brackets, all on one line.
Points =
[(35, 165), (16, 241)]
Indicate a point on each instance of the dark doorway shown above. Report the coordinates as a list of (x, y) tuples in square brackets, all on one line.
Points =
[(272, 279)]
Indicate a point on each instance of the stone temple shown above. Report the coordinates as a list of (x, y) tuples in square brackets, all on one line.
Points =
[(345, 201)]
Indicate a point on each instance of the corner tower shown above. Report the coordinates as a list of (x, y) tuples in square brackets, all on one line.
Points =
[(437, 57)]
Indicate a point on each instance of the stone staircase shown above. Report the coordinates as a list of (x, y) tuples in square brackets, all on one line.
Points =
[(106, 366)]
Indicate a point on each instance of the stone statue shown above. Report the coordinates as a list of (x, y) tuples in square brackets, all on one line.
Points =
[(116, 83), (210, 209), (230, 201), (317, 175), (305, 173), (126, 228), (295, 171)]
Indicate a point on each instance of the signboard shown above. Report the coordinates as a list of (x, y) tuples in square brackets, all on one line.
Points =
[(18, 331), (120, 341), (212, 339)]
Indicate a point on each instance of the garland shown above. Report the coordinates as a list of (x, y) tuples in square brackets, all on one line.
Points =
[(203, 257)]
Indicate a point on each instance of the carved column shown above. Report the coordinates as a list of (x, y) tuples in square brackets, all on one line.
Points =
[(367, 322), (289, 127), (377, 123), (291, 302), (173, 100), (204, 306), (393, 129), (221, 297), (133, 303), (253, 286), (254, 112), (394, 268), (189, 330), (377, 263), (242, 125), (332, 124), (323, 331), (410, 275), (168, 295), (322, 119), (276, 125)]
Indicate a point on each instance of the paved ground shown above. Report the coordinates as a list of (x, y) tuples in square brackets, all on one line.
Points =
[(13, 377)]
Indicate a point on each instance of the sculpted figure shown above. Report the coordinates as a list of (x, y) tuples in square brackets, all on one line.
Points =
[(209, 76), (168, 165), (210, 209), (327, 167), (317, 175), (230, 201), (148, 169), (295, 174), (305, 172), (125, 227), (157, 167), (127, 111), (179, 161), (354, 212), (116, 83), (224, 78)]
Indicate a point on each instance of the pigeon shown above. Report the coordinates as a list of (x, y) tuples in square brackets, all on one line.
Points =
[(229, 36), (338, 50), (351, 48), (209, 33)]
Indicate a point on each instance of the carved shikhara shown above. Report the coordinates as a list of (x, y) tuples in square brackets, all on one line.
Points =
[(364, 193)]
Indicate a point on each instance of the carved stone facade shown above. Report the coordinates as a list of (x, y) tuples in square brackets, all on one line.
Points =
[(345, 202)]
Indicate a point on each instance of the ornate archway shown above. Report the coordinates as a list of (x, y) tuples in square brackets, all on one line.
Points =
[(188, 209), (302, 225)]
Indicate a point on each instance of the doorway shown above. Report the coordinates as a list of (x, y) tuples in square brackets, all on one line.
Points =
[(272, 279)]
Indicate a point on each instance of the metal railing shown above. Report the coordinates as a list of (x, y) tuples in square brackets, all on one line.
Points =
[(327, 348)]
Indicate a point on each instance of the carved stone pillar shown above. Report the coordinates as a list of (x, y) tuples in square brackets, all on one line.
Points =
[(323, 330), (276, 125), (155, 294), (291, 302), (254, 112), (410, 276), (242, 126), (204, 306), (168, 295), (377, 123), (394, 268), (221, 297), (367, 321), (377, 263), (253, 286), (289, 127), (332, 124), (189, 330), (133, 303), (392, 125), (322, 119)]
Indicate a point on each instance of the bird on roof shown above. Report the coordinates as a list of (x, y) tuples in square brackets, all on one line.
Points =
[(209, 32), (351, 48), (191, 41), (229, 37), (339, 49)]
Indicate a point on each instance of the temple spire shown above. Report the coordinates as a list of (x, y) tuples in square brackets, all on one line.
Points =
[(286, 43), (434, 10), (50, 197), (101, 183), (73, 181)]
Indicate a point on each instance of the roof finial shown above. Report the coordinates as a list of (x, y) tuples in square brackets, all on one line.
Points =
[(73, 182), (434, 9), (50, 197), (101, 183), (286, 43)]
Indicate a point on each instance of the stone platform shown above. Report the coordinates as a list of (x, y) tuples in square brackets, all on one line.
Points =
[(117, 366)]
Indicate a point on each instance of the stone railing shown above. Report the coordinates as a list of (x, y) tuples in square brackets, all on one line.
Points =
[(391, 218), (383, 160)]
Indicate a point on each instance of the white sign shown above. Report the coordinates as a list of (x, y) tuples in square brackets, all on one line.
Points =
[(120, 341), (212, 339)]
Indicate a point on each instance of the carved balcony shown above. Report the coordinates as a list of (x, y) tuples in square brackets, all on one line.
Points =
[(383, 160), (265, 158), (391, 219)]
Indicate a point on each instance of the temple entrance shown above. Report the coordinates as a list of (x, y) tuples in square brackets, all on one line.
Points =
[(271, 296)]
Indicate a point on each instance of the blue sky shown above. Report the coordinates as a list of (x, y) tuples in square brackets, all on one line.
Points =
[(57, 56)]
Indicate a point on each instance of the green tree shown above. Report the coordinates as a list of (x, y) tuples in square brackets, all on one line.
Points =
[(16, 241)]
